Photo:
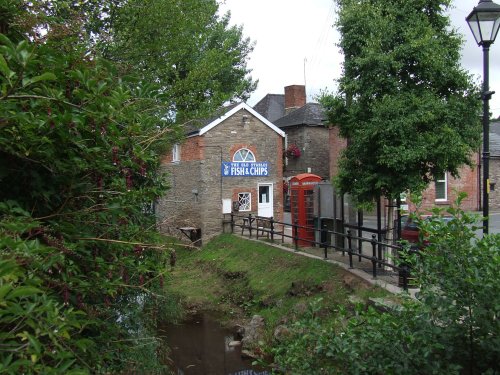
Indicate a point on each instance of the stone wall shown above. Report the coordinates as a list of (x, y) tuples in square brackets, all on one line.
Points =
[(337, 145), (199, 170), (180, 206), (494, 179), (313, 142)]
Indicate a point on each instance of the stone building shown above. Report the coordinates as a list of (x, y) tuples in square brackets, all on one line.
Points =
[(232, 162), (304, 126)]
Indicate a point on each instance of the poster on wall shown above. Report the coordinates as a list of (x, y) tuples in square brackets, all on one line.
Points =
[(254, 169)]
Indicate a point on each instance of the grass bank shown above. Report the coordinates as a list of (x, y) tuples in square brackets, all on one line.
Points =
[(240, 278)]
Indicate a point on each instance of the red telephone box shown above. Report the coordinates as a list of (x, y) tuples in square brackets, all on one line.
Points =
[(301, 205)]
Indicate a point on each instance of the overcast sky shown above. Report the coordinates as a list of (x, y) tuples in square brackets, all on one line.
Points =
[(296, 44)]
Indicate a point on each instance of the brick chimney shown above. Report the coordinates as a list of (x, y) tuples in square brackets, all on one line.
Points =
[(295, 97)]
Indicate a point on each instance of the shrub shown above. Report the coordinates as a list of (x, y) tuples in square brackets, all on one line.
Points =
[(452, 328)]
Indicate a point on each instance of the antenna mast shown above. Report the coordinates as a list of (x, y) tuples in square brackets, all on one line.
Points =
[(305, 82)]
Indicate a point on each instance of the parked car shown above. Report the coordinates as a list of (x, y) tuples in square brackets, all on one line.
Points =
[(410, 231)]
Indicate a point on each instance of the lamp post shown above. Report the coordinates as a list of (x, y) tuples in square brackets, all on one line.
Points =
[(484, 22)]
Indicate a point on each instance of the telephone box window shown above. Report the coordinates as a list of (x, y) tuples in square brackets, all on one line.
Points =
[(244, 155), (244, 200)]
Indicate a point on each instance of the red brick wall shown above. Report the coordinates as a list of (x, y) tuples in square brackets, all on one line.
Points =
[(468, 183), (295, 97), (337, 144), (239, 146), (191, 150)]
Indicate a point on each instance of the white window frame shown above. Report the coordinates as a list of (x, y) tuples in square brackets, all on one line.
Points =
[(245, 159), (176, 153), (445, 182), (247, 206)]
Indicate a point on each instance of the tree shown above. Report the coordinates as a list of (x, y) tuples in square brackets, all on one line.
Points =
[(195, 56), (79, 151), (408, 110), (81, 264), (184, 46)]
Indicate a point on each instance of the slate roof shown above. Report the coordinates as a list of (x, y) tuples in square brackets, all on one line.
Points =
[(495, 138), (311, 114), (271, 106)]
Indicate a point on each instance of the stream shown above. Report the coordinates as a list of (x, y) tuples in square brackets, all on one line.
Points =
[(200, 346)]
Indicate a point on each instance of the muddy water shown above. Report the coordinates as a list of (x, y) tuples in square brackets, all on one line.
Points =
[(201, 347)]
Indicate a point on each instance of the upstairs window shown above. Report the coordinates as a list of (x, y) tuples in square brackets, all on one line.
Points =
[(176, 153), (243, 155), (441, 188)]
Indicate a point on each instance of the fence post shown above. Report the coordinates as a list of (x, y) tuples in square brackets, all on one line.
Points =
[(360, 248), (271, 222), (374, 256), (296, 235), (349, 251), (232, 223), (380, 257), (405, 277), (250, 225), (325, 242)]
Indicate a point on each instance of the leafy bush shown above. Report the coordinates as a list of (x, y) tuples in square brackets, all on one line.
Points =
[(452, 328), (80, 154)]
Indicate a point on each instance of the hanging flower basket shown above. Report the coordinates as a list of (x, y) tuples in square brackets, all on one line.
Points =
[(293, 151)]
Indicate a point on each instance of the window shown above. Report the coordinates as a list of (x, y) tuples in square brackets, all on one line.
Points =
[(176, 153), (441, 188), (243, 155), (244, 200)]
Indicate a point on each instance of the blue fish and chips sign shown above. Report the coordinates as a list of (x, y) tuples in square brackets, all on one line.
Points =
[(244, 169)]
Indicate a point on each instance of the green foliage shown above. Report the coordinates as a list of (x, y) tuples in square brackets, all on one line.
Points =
[(196, 57), (184, 46), (38, 333), (452, 328), (459, 277), (80, 150), (80, 141), (408, 109)]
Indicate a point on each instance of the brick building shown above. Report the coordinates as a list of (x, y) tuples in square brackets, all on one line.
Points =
[(495, 165), (235, 158), (443, 192)]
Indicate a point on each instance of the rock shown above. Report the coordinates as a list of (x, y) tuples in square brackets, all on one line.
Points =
[(248, 354), (234, 343), (355, 300), (239, 331), (385, 305), (254, 332), (281, 332)]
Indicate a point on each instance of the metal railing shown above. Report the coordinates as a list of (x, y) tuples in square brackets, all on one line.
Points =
[(259, 227)]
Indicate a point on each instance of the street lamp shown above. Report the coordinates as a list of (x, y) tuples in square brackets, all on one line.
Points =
[(484, 21)]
